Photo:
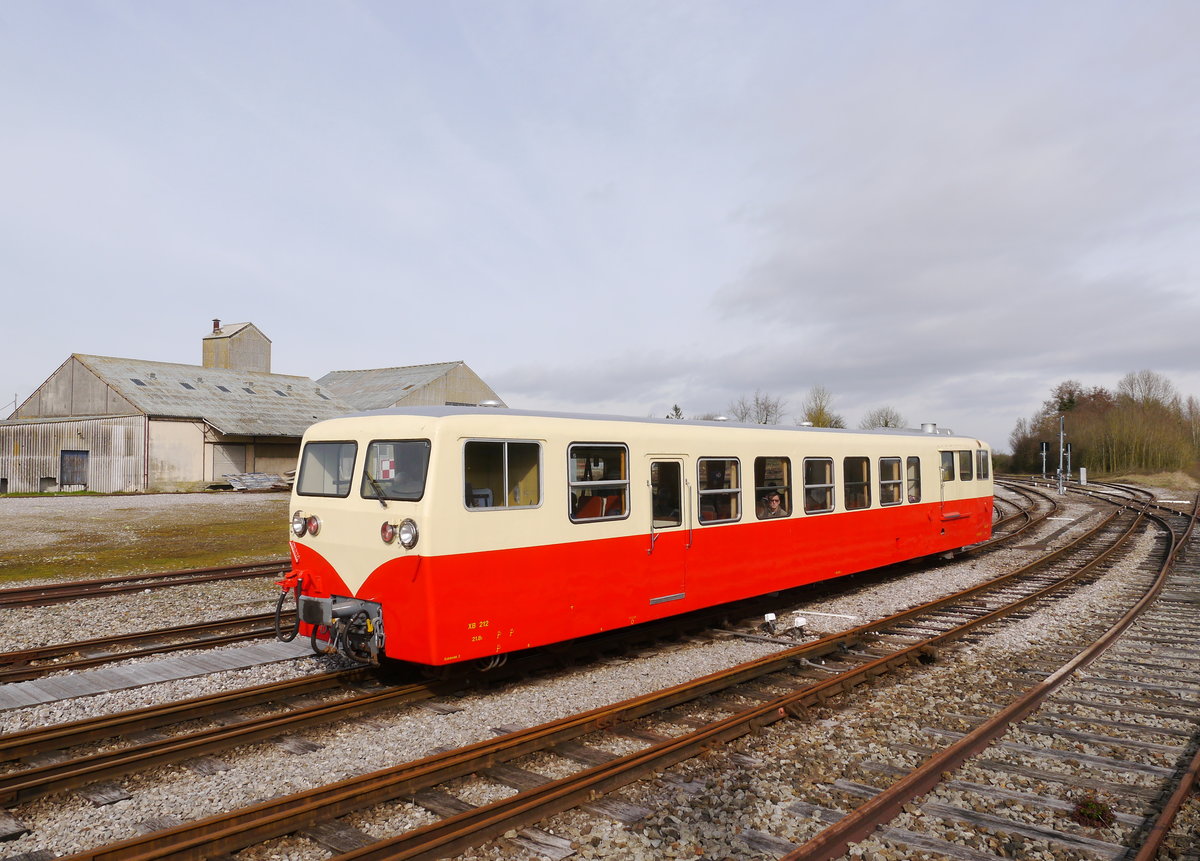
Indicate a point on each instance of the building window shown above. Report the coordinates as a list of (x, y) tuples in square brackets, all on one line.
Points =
[(720, 489), (856, 482), (598, 481), (136, 382), (773, 478), (818, 484), (502, 474), (891, 485), (223, 389), (188, 386)]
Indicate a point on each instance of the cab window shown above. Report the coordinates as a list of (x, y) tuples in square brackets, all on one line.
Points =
[(326, 469), (719, 481), (947, 468), (964, 466), (395, 469), (598, 476), (502, 474)]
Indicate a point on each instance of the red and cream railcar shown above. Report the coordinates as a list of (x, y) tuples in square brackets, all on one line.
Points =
[(436, 535)]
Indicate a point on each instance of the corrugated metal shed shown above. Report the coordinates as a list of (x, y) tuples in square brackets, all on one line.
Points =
[(380, 388), (235, 402), (31, 453)]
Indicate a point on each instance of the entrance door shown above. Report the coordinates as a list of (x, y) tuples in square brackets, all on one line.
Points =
[(73, 469), (670, 530)]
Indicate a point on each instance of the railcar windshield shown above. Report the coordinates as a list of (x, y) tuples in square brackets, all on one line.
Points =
[(395, 469), (326, 468)]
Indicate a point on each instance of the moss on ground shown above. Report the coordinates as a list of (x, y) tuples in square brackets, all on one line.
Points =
[(131, 540)]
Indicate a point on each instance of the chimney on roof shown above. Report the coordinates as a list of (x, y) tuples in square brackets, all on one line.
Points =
[(216, 325)]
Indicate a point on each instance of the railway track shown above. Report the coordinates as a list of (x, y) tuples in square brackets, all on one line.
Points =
[(82, 766), (731, 704), (55, 593), (25, 664), (1121, 712)]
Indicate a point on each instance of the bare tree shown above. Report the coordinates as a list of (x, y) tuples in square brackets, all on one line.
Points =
[(882, 417), (761, 409), (817, 409)]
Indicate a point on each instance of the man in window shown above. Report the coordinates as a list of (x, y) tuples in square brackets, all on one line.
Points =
[(774, 506)]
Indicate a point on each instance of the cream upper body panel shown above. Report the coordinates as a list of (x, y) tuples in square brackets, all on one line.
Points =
[(537, 508)]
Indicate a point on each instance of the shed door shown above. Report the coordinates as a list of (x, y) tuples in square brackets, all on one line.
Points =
[(228, 459), (72, 468)]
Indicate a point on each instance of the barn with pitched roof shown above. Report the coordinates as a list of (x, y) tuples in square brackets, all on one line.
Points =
[(109, 424)]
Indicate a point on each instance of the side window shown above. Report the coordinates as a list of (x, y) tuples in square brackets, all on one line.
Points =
[(964, 466), (856, 482), (719, 482), (890, 483), (773, 487), (914, 479), (983, 465), (947, 465), (326, 468), (502, 474), (818, 484), (598, 476)]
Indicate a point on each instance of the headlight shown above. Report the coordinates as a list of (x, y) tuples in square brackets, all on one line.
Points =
[(313, 524), (299, 524), (388, 533), (409, 534)]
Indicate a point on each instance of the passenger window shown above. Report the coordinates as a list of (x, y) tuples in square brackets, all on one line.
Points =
[(964, 466), (947, 465), (914, 479), (984, 464), (395, 469), (818, 484), (773, 487), (598, 476), (326, 469), (856, 482), (890, 482), (720, 489), (502, 474)]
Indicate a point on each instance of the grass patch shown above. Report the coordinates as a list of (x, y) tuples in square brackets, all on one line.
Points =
[(135, 540)]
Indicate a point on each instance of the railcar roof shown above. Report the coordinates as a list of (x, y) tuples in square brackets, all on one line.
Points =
[(493, 412)]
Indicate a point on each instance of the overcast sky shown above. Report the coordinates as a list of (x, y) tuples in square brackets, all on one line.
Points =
[(945, 207)]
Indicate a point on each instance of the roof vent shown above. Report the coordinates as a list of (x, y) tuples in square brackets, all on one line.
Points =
[(928, 427), (490, 403)]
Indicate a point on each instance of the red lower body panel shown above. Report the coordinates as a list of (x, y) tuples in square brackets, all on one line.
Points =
[(443, 609)]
